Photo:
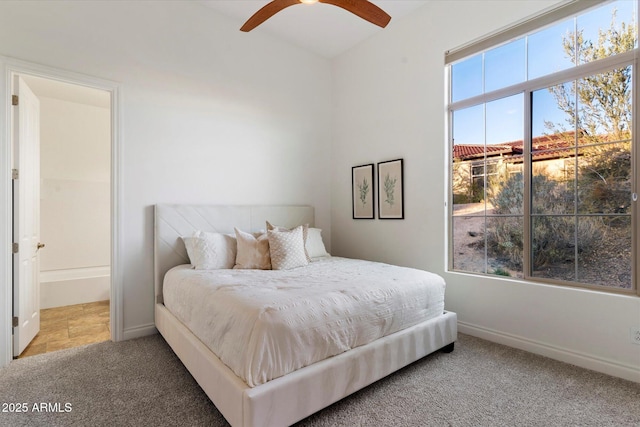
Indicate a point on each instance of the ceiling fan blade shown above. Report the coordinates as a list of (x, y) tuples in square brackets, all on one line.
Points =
[(364, 9), (266, 12)]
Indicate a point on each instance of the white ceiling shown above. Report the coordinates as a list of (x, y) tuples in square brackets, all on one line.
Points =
[(320, 28)]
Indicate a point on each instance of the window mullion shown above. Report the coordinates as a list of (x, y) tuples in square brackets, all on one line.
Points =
[(635, 166), (484, 178), (584, 70), (527, 248), (576, 165)]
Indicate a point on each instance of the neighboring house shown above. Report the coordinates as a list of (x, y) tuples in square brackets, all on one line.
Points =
[(552, 154)]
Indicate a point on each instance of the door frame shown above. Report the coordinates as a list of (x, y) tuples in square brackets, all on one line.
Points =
[(8, 68)]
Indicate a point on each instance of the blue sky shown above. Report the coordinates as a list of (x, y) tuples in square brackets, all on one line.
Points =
[(541, 54)]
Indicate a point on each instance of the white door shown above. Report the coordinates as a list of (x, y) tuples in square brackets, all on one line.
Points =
[(26, 216)]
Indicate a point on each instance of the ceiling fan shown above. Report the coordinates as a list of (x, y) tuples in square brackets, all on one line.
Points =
[(363, 8)]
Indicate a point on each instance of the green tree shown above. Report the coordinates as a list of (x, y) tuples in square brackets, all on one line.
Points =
[(598, 109), (604, 99)]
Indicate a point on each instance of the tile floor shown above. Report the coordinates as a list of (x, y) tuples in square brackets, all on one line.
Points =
[(70, 326)]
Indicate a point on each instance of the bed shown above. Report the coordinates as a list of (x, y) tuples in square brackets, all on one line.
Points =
[(288, 397)]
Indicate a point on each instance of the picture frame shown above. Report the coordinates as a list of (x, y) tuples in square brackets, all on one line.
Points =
[(391, 189), (362, 191)]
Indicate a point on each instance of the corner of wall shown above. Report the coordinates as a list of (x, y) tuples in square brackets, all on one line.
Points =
[(6, 257)]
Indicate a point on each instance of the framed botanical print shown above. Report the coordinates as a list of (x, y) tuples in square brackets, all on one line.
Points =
[(390, 190), (363, 199)]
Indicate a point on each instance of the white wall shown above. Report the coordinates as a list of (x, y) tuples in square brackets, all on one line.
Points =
[(209, 114), (212, 115), (75, 199), (389, 95)]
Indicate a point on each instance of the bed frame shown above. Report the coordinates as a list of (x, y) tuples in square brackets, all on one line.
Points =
[(288, 399)]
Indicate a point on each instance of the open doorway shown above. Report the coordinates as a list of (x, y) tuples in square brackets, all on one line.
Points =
[(72, 272)]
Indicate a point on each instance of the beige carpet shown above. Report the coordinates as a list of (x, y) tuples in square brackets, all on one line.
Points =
[(141, 383)]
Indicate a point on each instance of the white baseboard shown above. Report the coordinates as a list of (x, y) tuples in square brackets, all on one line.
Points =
[(605, 366), (75, 286), (74, 273), (140, 331)]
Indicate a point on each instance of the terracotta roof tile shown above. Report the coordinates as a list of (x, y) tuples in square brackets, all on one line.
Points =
[(543, 147)]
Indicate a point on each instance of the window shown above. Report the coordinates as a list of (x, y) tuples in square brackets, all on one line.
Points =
[(543, 175)]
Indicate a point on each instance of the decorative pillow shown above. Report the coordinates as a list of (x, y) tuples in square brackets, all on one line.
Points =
[(305, 230), (314, 245), (287, 248), (211, 251), (253, 252)]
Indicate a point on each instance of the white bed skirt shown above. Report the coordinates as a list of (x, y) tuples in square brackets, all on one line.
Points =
[(288, 399)]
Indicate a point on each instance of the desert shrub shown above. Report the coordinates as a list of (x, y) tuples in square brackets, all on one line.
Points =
[(508, 197), (553, 237), (477, 192), (505, 239), (604, 180), (499, 271), (462, 192), (460, 199), (471, 194)]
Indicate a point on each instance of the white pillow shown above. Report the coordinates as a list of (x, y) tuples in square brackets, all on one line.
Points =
[(211, 251), (305, 229), (253, 252), (315, 245), (287, 248)]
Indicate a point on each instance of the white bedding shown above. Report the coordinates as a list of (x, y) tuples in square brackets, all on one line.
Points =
[(265, 324)]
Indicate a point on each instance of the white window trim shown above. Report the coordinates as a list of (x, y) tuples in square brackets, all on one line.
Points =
[(527, 87)]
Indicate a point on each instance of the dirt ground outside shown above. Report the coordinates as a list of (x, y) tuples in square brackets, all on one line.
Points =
[(468, 235), (609, 264)]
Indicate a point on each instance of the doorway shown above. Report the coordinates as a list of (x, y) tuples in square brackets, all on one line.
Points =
[(72, 262)]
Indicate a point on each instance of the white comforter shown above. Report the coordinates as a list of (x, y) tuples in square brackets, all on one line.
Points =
[(266, 323)]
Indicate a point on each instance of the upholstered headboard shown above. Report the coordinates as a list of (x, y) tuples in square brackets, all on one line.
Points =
[(175, 221)]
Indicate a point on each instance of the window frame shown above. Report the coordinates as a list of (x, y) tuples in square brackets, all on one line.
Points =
[(527, 88)]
